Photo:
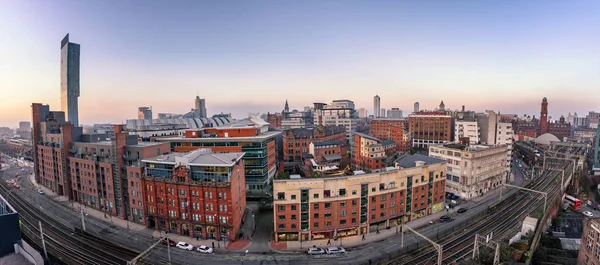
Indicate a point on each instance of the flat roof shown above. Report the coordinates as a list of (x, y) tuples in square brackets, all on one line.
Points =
[(366, 136), (261, 137), (409, 161), (199, 157)]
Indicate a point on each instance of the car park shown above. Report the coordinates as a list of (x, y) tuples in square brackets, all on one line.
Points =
[(184, 245), (316, 251), (462, 210), (204, 249), (335, 250)]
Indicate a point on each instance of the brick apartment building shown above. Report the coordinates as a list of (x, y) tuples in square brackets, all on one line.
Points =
[(332, 207), (89, 168), (275, 120), (199, 193), (589, 251), (296, 142), (430, 128), (330, 151), (368, 152), (391, 129), (250, 136)]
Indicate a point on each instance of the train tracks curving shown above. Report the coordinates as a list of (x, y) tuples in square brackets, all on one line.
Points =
[(502, 218), (70, 245)]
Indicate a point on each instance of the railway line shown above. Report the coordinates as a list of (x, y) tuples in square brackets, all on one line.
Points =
[(70, 245), (502, 218)]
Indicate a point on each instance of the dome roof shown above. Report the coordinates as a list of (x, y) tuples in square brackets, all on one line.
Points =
[(546, 138)]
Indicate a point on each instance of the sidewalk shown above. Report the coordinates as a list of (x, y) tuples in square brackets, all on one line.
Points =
[(354, 241), (135, 227)]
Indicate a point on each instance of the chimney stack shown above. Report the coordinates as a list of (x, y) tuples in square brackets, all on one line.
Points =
[(463, 108)]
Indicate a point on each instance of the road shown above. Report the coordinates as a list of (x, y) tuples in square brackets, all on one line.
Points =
[(62, 211)]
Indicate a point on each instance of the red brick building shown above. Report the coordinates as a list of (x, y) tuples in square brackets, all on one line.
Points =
[(275, 120), (327, 151), (430, 128), (199, 193), (329, 208), (296, 142), (391, 129), (368, 153)]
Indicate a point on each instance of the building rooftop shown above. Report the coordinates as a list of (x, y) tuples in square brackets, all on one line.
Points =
[(388, 142), (366, 136), (409, 161), (199, 157), (253, 122), (546, 139), (261, 137), (325, 143)]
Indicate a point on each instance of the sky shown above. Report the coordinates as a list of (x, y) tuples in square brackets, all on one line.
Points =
[(250, 56)]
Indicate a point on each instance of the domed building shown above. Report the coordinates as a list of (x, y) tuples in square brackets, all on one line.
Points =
[(546, 139)]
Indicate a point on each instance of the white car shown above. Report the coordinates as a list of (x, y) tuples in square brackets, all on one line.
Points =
[(588, 214), (316, 251), (40, 191), (335, 250), (204, 249), (183, 245)]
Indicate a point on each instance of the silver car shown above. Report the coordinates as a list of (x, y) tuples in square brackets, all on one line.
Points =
[(316, 251)]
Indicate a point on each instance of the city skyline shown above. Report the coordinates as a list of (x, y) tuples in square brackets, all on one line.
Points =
[(243, 58)]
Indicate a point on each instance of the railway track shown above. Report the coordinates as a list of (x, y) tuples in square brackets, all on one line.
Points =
[(518, 206), (70, 245)]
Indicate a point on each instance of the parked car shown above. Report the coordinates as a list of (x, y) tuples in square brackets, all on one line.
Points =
[(588, 214), (40, 191), (335, 250), (462, 210), (446, 218), (204, 249), (316, 251), (170, 242), (183, 245)]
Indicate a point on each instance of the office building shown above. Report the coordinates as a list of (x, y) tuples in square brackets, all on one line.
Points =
[(428, 128), (472, 170), (200, 107), (394, 113), (296, 142), (250, 135), (416, 107), (338, 113), (391, 129), (376, 106), (146, 130), (69, 80), (362, 113), (145, 113), (334, 207), (466, 128), (296, 119), (199, 193), (496, 129)]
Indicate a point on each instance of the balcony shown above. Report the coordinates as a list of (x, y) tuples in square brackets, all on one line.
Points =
[(130, 158)]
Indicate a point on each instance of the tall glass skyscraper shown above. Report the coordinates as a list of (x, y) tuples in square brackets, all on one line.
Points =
[(69, 80)]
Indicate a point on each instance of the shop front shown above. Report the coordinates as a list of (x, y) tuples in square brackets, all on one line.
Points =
[(325, 234), (352, 231), (377, 226), (287, 236)]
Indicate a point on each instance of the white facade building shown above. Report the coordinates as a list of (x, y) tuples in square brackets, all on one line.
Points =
[(468, 129), (472, 170), (394, 113)]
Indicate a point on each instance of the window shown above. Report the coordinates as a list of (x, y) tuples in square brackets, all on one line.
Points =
[(281, 208), (353, 202), (382, 206), (281, 195), (373, 199), (328, 215), (293, 207), (316, 225), (354, 220), (327, 223), (281, 217), (342, 222), (393, 204), (316, 206), (353, 192), (281, 226), (316, 216), (342, 192), (327, 205), (383, 197), (293, 217), (293, 226), (342, 204), (316, 196), (342, 213), (293, 197), (373, 189)]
